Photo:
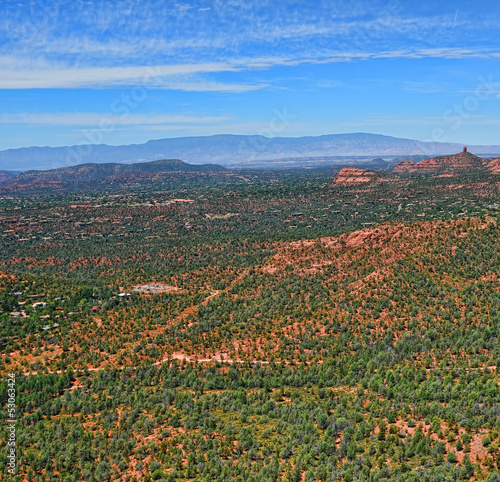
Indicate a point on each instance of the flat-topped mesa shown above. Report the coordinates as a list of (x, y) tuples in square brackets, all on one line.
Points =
[(456, 163), (349, 176)]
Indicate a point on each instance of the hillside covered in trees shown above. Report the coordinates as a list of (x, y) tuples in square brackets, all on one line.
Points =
[(245, 326)]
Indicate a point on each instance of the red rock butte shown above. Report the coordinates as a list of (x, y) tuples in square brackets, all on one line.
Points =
[(462, 162)]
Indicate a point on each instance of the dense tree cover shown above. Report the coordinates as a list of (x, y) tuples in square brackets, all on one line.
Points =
[(288, 350)]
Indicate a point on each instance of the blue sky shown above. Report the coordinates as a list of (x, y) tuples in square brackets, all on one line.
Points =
[(122, 72)]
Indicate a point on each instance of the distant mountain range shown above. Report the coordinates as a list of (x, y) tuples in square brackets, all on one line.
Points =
[(235, 151), (98, 172)]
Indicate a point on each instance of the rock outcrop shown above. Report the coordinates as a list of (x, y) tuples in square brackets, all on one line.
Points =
[(350, 176), (454, 164), (494, 165), (404, 167)]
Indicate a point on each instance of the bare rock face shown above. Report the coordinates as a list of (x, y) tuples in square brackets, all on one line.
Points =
[(350, 176), (405, 167), (456, 163), (494, 165)]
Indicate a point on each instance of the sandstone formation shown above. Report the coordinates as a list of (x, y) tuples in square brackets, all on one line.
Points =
[(455, 163), (404, 167), (350, 176), (494, 165)]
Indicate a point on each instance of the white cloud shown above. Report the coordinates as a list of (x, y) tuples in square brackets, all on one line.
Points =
[(442, 53), (96, 32), (207, 86), (95, 118), (174, 77), (186, 76)]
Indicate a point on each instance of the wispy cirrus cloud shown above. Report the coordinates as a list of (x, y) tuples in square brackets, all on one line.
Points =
[(113, 34), (186, 77), (94, 44), (95, 118), (173, 77)]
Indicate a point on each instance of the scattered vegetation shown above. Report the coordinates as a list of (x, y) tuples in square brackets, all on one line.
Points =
[(312, 332)]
